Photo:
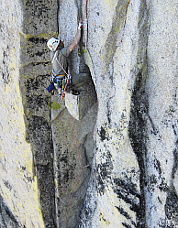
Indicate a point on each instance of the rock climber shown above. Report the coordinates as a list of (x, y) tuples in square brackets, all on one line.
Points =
[(59, 55)]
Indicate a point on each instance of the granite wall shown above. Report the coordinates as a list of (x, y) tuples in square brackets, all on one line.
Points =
[(118, 165)]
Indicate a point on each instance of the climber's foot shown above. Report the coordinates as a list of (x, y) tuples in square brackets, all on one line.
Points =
[(75, 92)]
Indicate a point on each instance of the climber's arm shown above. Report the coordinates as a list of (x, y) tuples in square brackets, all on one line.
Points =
[(77, 37), (76, 40)]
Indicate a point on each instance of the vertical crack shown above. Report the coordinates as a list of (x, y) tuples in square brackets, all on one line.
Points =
[(137, 136), (58, 6), (139, 111)]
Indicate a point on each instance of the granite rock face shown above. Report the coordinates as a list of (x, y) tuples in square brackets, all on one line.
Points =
[(118, 165), (19, 192)]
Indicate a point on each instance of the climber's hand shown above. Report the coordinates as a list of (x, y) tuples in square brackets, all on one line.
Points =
[(80, 26)]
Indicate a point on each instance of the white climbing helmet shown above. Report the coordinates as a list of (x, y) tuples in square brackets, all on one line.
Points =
[(53, 43)]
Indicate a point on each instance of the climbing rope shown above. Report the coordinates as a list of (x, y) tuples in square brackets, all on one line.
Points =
[(81, 170), (76, 141)]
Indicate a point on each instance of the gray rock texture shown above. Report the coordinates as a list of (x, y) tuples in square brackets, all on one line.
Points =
[(19, 200), (117, 166)]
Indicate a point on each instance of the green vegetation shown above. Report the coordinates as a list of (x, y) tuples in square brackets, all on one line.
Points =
[(54, 105)]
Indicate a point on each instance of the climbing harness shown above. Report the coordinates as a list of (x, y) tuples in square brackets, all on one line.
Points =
[(78, 178), (61, 82)]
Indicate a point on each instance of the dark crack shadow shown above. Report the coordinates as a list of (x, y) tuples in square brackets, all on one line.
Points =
[(139, 111), (137, 136), (7, 219)]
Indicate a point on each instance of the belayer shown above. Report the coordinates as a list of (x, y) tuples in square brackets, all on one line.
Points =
[(59, 54)]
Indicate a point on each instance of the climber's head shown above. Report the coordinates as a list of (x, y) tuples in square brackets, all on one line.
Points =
[(53, 43), (61, 45)]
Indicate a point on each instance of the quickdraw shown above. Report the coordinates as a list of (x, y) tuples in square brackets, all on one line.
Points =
[(65, 86)]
